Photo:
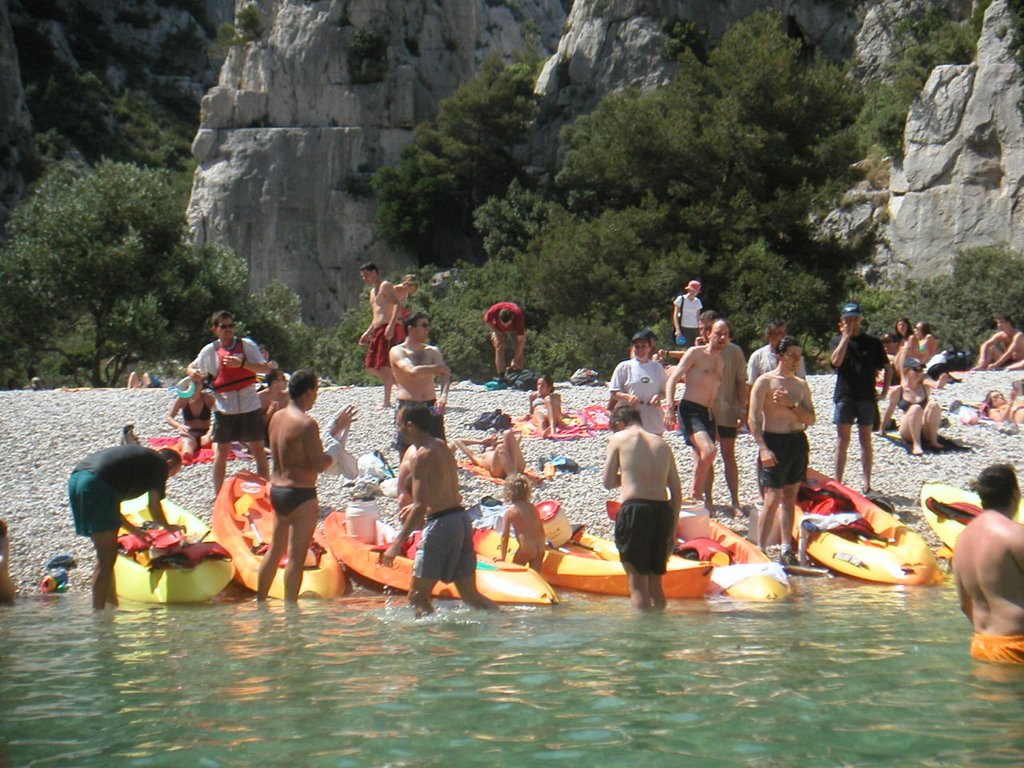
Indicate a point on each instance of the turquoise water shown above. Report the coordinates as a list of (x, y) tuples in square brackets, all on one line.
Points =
[(841, 674)]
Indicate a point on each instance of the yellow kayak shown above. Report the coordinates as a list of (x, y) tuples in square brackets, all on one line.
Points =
[(138, 579), (949, 509)]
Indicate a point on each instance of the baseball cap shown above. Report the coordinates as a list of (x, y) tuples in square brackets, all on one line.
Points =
[(693, 285), (852, 310), (913, 362), (644, 334)]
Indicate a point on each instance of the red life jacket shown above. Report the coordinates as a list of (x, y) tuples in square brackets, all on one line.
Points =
[(232, 379)]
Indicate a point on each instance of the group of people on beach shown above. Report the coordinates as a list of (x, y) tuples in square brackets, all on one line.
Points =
[(722, 394)]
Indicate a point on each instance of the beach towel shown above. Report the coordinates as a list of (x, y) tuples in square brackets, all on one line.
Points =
[(574, 429), (480, 472), (948, 444), (203, 456), (595, 416)]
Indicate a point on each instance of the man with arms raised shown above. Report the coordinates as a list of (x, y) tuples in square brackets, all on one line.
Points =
[(989, 568), (431, 482), (857, 358), (98, 485), (642, 465), (238, 411), (380, 335), (299, 456), (781, 409), (416, 364), (701, 368)]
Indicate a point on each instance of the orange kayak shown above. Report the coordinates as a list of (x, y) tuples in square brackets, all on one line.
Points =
[(243, 521), (504, 583), (590, 563), (882, 550)]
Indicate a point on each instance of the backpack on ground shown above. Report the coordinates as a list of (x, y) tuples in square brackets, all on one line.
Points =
[(495, 419), (524, 380)]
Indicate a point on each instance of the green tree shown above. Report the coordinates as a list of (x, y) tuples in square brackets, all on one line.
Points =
[(464, 157), (98, 272)]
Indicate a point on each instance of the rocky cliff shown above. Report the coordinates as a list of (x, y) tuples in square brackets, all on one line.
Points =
[(326, 94), (15, 125), (959, 183)]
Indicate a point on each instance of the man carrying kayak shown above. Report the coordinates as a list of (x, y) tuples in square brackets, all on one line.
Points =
[(431, 480), (989, 568), (642, 465), (98, 485)]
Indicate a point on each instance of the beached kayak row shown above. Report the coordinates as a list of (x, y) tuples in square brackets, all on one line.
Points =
[(840, 532)]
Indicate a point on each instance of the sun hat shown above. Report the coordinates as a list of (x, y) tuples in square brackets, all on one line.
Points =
[(694, 285), (852, 310)]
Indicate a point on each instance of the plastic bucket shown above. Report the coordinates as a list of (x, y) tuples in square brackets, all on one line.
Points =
[(361, 520), (557, 529)]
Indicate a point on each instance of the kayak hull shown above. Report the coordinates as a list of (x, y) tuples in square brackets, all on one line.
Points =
[(242, 517), (504, 583), (905, 558), (138, 583), (758, 587)]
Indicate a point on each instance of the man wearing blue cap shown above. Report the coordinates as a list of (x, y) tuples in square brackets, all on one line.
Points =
[(857, 358)]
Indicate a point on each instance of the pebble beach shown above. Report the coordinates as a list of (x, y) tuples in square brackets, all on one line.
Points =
[(45, 433)]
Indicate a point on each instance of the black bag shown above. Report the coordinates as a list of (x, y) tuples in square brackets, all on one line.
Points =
[(525, 380), (495, 419)]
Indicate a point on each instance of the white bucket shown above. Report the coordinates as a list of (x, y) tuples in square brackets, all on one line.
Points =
[(557, 529), (693, 520), (361, 520)]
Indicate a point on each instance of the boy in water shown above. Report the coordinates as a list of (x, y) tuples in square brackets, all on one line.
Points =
[(7, 589), (522, 516)]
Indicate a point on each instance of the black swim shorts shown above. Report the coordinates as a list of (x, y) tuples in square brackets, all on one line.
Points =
[(645, 533), (791, 454), (694, 418)]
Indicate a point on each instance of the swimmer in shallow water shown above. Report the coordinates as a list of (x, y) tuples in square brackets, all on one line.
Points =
[(989, 568)]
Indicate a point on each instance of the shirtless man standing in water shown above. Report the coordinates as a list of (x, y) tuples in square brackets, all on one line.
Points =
[(299, 456), (416, 364), (380, 336), (431, 480), (989, 567), (701, 368), (781, 409), (642, 465)]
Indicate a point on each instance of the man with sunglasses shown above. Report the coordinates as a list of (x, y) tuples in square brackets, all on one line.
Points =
[(416, 364), (238, 413)]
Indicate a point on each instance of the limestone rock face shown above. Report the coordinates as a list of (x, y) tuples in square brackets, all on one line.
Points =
[(15, 125), (960, 181), (303, 116), (609, 45)]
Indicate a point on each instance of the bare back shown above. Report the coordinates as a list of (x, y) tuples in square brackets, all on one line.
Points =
[(523, 516), (989, 567), (642, 465), (296, 447), (414, 385), (433, 477)]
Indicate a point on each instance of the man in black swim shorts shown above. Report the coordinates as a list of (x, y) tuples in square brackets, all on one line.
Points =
[(642, 465)]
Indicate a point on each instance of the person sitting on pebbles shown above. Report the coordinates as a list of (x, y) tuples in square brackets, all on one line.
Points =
[(7, 588), (195, 414), (501, 455), (921, 414), (546, 407)]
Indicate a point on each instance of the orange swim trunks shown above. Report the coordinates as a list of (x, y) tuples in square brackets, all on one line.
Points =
[(1006, 649), (380, 347)]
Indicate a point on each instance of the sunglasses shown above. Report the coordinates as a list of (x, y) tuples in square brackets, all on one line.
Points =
[(225, 326)]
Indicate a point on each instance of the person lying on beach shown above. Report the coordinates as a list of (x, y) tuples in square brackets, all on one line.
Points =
[(998, 408), (523, 516), (194, 425), (501, 455), (921, 414), (546, 407), (7, 588)]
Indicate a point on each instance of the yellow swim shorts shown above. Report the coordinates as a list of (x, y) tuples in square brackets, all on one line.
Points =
[(1007, 649)]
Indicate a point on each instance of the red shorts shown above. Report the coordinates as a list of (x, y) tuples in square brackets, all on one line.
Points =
[(377, 353)]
